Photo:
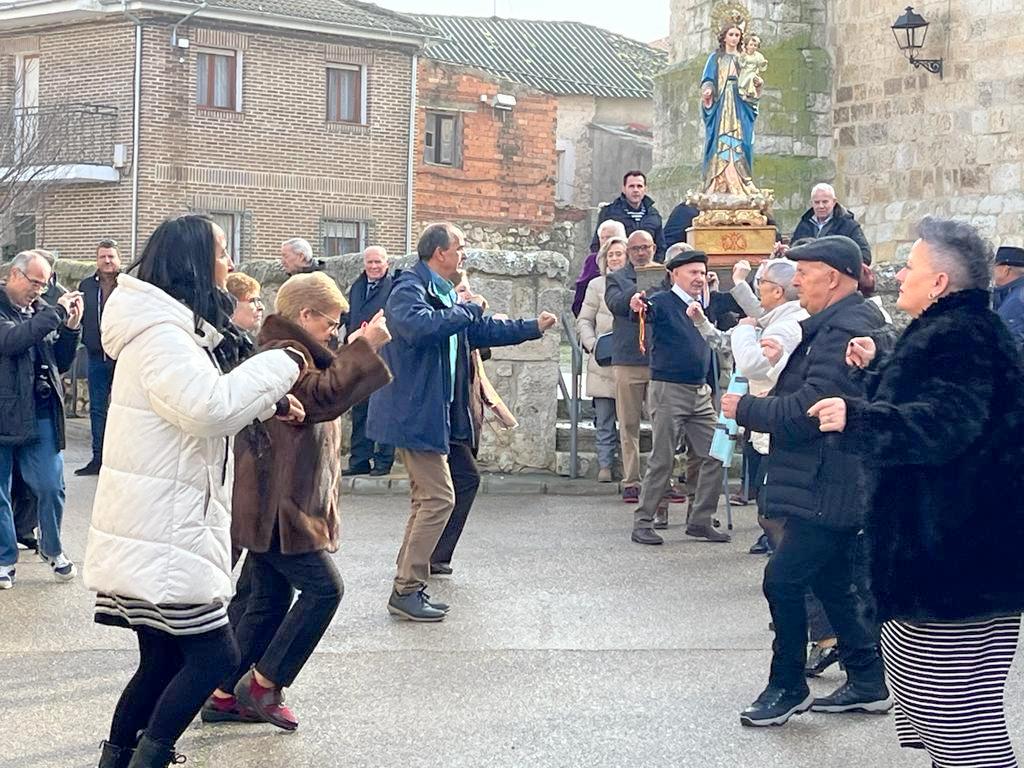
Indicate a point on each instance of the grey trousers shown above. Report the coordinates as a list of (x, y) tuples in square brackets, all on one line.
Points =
[(607, 432), (675, 409)]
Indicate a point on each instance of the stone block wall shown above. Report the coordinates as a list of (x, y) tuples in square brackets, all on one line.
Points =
[(911, 144), (793, 144), (518, 284)]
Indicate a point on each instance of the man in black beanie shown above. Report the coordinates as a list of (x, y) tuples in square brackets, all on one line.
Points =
[(815, 485), (679, 397)]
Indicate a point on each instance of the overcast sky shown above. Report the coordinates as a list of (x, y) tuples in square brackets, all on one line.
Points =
[(625, 18)]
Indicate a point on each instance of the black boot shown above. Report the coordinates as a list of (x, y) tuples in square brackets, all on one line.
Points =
[(152, 753), (113, 756)]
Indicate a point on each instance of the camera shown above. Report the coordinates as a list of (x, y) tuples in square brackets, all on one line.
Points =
[(42, 388)]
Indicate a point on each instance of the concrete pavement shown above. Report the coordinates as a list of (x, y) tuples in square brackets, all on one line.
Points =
[(567, 645)]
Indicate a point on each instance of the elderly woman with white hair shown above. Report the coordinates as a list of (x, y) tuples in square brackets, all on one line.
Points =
[(940, 433), (595, 320)]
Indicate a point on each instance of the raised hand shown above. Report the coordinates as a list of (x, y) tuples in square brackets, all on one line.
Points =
[(860, 352), (546, 321)]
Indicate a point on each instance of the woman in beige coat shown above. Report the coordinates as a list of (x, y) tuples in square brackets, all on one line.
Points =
[(593, 321)]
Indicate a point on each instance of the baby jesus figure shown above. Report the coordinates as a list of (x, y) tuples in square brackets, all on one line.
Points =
[(751, 64)]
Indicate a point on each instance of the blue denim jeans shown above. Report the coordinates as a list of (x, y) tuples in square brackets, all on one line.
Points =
[(41, 464), (101, 375)]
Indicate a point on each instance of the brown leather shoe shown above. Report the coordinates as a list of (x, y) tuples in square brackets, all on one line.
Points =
[(707, 532)]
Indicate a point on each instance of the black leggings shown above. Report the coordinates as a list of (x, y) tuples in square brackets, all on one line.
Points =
[(175, 675)]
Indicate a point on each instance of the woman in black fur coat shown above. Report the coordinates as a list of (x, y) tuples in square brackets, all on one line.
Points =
[(941, 434)]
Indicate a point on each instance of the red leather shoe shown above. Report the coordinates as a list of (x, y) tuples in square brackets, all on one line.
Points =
[(267, 703)]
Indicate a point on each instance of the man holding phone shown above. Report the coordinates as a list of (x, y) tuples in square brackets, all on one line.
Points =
[(37, 343)]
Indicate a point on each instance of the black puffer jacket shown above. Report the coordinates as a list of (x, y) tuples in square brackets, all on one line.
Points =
[(809, 474), (21, 338), (842, 223), (941, 433)]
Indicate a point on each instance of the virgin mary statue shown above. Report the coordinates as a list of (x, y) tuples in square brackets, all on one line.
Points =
[(728, 120)]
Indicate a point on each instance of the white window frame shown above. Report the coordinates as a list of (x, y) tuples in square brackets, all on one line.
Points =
[(239, 66), (361, 69), (235, 232)]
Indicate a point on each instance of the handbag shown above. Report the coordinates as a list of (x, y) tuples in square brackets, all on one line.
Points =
[(603, 350)]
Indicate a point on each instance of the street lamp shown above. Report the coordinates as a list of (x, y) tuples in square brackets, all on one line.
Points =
[(910, 31)]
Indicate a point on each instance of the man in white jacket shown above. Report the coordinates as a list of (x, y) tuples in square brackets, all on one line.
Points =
[(762, 342)]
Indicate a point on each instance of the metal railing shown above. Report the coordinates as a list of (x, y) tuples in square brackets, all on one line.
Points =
[(571, 394), (58, 134)]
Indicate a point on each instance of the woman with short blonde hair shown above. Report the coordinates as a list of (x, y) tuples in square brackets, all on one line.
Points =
[(285, 504)]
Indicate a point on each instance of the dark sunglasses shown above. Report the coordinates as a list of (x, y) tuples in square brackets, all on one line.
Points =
[(107, 242)]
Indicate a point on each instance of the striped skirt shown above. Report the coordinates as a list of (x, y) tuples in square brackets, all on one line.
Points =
[(178, 620), (948, 681)]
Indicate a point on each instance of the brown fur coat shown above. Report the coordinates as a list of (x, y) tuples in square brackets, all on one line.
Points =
[(290, 475)]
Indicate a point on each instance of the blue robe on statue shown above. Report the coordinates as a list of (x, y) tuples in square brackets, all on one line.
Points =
[(729, 128)]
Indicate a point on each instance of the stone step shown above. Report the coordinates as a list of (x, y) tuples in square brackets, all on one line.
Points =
[(586, 408), (587, 436)]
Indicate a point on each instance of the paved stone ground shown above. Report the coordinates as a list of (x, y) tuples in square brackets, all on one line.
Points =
[(566, 646)]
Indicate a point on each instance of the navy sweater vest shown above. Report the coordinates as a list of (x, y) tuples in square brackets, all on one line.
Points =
[(679, 353)]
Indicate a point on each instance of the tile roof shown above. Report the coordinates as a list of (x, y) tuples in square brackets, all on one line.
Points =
[(558, 57), (352, 13)]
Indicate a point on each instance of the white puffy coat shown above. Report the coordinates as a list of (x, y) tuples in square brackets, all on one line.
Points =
[(161, 519)]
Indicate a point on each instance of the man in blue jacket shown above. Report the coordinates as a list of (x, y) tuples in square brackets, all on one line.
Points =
[(1008, 296), (424, 412), (367, 296)]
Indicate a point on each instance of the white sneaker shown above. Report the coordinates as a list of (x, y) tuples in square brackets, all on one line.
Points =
[(6, 576), (63, 569)]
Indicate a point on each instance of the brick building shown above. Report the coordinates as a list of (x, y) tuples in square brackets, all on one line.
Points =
[(279, 118), (524, 124)]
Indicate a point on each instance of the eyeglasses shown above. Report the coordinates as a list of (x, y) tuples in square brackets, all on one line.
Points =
[(640, 248), (333, 324), (256, 302), (762, 281), (41, 284), (107, 242)]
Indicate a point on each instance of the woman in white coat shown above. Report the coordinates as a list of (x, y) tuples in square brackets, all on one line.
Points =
[(159, 549), (594, 320)]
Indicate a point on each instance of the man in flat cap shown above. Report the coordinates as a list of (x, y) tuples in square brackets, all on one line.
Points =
[(679, 397), (815, 485), (1008, 296)]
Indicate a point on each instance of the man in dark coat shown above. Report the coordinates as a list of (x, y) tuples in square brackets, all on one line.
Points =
[(95, 290), (37, 342), (425, 411), (1008, 296), (630, 362), (635, 211), (817, 486), (367, 296), (297, 257), (826, 217), (680, 220)]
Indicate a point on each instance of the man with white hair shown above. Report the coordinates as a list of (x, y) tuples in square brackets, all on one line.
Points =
[(37, 342), (606, 230), (367, 296), (827, 217), (297, 257)]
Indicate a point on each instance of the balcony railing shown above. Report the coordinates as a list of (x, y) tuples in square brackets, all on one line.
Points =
[(58, 135)]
